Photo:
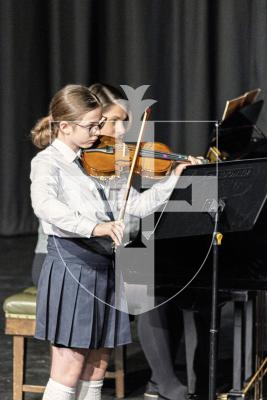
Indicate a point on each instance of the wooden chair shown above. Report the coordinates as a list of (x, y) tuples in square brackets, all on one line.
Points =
[(20, 310)]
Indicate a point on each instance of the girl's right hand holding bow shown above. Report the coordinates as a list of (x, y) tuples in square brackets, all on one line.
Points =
[(114, 229)]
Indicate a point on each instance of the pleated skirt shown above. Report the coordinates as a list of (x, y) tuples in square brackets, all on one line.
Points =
[(76, 298)]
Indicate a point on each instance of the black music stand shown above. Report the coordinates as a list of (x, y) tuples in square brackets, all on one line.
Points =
[(242, 192)]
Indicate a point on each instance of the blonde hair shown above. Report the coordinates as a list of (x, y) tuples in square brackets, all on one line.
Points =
[(68, 104)]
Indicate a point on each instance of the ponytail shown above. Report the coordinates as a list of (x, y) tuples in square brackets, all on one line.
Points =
[(43, 133), (68, 104)]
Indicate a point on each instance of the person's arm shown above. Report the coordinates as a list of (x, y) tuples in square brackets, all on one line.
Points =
[(47, 206), (143, 204)]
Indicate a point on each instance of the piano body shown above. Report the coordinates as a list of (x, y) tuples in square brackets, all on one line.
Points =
[(242, 257)]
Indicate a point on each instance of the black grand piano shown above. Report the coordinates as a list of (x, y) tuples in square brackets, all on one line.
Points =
[(242, 263)]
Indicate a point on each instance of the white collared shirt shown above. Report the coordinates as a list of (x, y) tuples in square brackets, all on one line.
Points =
[(67, 201)]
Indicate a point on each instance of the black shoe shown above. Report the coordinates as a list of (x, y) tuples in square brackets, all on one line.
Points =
[(181, 397), (151, 391), (180, 393), (194, 396)]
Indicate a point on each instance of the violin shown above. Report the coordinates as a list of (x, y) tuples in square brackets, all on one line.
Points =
[(108, 158)]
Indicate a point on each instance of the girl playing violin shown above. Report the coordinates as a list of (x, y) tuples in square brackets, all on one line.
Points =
[(115, 115), (76, 285)]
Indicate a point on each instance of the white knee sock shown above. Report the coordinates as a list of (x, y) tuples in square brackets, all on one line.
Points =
[(57, 391), (89, 390)]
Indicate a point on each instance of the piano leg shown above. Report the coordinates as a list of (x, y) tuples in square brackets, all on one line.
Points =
[(237, 346), (243, 346), (249, 354)]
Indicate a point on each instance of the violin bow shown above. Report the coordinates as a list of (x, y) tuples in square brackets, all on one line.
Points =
[(147, 114)]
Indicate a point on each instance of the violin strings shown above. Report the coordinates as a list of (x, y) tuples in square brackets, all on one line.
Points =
[(160, 154)]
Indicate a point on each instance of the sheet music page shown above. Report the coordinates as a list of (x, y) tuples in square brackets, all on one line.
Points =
[(251, 96), (233, 105), (239, 102)]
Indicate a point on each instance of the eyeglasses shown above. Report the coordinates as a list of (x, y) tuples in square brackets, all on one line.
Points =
[(93, 128)]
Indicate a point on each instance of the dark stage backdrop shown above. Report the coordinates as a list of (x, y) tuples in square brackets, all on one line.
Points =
[(194, 54)]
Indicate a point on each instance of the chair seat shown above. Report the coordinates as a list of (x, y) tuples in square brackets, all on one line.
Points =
[(21, 305), (20, 310)]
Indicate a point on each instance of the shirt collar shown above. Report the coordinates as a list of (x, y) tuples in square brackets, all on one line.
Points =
[(65, 150)]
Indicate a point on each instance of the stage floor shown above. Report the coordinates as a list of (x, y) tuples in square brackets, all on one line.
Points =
[(16, 256)]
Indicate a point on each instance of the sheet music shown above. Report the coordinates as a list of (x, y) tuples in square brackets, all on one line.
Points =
[(239, 102)]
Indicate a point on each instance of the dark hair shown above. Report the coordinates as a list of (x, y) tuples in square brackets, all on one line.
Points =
[(107, 94), (68, 104)]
